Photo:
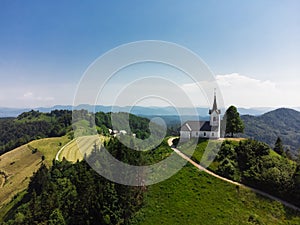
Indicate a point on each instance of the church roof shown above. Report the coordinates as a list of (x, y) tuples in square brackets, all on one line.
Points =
[(198, 126)]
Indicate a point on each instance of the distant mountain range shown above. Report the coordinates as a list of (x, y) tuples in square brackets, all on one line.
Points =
[(283, 123), (137, 110)]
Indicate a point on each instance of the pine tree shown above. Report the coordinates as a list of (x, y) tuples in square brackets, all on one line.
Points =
[(278, 146), (56, 218)]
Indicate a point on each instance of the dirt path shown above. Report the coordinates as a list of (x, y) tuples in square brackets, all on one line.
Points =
[(2, 179), (75, 149), (227, 180), (58, 153)]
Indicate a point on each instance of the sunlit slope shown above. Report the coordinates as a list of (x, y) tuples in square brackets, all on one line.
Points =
[(76, 149), (18, 165), (16, 168), (49, 147)]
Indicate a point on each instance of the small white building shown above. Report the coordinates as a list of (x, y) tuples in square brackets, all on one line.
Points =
[(203, 129), (123, 132)]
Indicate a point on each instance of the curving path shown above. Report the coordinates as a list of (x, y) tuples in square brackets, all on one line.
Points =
[(2, 180), (227, 180), (76, 148), (58, 153)]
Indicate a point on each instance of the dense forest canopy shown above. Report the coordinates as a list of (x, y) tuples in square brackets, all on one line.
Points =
[(75, 194)]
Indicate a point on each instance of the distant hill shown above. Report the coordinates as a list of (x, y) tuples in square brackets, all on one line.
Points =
[(32, 125), (283, 123), (137, 110)]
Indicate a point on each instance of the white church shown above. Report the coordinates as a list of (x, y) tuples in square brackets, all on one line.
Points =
[(203, 129)]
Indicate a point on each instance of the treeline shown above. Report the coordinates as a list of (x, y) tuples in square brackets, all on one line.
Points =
[(132, 124), (137, 125), (252, 163), (32, 125), (129, 155)]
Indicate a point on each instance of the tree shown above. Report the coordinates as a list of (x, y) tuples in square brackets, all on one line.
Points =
[(56, 218), (234, 123), (278, 146)]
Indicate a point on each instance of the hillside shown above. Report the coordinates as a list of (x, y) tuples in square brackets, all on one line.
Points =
[(189, 197), (18, 165), (251, 163), (193, 197), (283, 123), (16, 168), (32, 125)]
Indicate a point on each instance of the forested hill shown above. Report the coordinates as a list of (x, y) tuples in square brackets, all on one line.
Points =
[(32, 125), (283, 123)]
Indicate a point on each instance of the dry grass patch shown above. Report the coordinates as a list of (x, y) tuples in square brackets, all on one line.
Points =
[(49, 147), (17, 166), (76, 149), (233, 139)]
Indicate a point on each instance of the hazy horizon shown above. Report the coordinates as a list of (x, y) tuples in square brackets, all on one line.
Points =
[(150, 106)]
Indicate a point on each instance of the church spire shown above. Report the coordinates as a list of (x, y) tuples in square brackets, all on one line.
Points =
[(215, 107)]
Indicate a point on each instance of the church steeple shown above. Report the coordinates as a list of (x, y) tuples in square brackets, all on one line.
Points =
[(215, 102), (215, 107)]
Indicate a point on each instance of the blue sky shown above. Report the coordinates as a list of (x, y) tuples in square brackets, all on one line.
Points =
[(253, 47)]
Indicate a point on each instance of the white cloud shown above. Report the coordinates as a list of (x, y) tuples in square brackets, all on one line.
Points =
[(22, 96), (244, 91), (235, 89), (28, 95), (31, 96)]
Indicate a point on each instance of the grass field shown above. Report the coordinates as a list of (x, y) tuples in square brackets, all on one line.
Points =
[(193, 197), (17, 166), (75, 150), (49, 147)]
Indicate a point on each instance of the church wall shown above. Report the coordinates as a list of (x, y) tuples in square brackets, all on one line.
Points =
[(201, 134), (185, 134)]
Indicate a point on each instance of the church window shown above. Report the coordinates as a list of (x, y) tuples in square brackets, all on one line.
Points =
[(215, 119), (204, 134)]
